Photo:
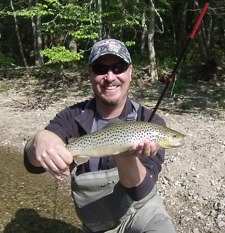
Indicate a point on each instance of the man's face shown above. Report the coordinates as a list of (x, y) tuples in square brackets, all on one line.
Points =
[(110, 77)]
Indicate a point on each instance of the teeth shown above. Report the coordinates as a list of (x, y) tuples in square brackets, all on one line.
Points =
[(111, 87)]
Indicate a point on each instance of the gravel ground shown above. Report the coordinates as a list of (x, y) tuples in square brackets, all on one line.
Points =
[(192, 181)]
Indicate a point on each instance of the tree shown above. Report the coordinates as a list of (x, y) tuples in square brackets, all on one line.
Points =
[(18, 34), (151, 46), (37, 38), (64, 30)]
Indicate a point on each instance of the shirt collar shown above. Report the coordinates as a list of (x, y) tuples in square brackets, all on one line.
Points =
[(85, 119)]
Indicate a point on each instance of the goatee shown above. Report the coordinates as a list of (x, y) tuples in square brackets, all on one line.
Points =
[(107, 102)]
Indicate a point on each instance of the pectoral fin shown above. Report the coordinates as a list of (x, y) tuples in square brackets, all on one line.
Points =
[(81, 159)]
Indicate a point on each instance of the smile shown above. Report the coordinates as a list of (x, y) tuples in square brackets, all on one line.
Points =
[(110, 88)]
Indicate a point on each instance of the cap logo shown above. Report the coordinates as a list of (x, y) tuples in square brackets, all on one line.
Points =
[(109, 46), (112, 46)]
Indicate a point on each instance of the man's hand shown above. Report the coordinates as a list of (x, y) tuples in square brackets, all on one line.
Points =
[(144, 149), (131, 171), (47, 150)]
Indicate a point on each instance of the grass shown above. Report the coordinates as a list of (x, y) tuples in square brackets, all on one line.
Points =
[(4, 88)]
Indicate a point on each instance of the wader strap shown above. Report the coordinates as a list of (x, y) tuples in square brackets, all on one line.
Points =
[(133, 116)]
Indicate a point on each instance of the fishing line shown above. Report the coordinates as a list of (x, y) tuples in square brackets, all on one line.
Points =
[(55, 200), (172, 76)]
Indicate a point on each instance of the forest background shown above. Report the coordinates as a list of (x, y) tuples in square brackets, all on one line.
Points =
[(59, 34)]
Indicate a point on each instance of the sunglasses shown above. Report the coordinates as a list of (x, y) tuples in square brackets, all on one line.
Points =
[(117, 68)]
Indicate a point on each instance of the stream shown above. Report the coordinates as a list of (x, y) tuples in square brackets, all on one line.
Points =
[(33, 203)]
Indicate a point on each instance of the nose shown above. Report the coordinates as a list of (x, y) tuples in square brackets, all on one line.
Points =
[(110, 77)]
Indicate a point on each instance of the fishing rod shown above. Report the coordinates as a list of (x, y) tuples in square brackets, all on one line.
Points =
[(172, 76)]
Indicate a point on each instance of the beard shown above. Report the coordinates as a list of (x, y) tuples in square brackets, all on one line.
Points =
[(107, 102)]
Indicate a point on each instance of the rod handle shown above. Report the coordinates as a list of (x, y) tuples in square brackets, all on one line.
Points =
[(204, 9)]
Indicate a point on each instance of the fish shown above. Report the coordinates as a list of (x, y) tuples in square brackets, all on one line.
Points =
[(119, 136)]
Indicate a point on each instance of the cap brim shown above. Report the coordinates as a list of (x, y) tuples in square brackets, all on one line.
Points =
[(109, 53)]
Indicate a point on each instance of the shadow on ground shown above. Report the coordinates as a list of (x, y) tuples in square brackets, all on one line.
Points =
[(45, 87), (28, 220), (33, 203)]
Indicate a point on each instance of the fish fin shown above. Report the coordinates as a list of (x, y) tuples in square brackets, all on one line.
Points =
[(81, 159), (113, 122), (71, 140)]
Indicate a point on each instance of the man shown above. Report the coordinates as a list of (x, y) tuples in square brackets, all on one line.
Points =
[(111, 194)]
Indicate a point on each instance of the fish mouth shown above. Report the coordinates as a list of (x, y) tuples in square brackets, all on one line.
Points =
[(178, 144), (167, 145)]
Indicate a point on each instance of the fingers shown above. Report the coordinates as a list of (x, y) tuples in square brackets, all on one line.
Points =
[(144, 149), (55, 165), (48, 150), (56, 161)]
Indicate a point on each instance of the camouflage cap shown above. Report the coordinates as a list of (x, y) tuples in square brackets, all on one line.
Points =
[(109, 46)]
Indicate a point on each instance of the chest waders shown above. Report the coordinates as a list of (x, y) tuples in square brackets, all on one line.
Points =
[(100, 200)]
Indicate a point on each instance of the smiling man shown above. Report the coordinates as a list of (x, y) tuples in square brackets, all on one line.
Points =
[(110, 75), (111, 194)]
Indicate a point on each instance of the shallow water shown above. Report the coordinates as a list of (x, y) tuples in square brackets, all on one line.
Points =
[(33, 203)]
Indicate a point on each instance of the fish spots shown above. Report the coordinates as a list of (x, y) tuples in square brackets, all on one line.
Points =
[(119, 137)]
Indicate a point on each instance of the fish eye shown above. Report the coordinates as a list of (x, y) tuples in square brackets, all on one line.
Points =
[(174, 136)]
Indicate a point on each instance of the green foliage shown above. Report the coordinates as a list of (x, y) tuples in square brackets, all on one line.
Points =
[(178, 86), (61, 54), (4, 88), (167, 62), (130, 43), (84, 22), (71, 19), (82, 33), (5, 61), (39, 9), (121, 19)]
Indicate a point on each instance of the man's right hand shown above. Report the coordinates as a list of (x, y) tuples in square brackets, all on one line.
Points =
[(47, 150)]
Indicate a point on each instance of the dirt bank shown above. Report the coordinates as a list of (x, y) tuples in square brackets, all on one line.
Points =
[(192, 181)]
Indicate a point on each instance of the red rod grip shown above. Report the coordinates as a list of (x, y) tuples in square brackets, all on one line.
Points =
[(199, 20)]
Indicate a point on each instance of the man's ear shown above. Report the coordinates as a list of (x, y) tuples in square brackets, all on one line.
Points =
[(131, 71)]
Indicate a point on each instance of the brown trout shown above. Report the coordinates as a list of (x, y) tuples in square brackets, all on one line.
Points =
[(118, 136)]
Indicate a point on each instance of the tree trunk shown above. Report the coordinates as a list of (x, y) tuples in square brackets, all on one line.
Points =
[(182, 27), (99, 10), (37, 40), (40, 59), (18, 36), (144, 32), (151, 48)]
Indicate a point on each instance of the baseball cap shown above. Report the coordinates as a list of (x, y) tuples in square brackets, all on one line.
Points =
[(109, 46)]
